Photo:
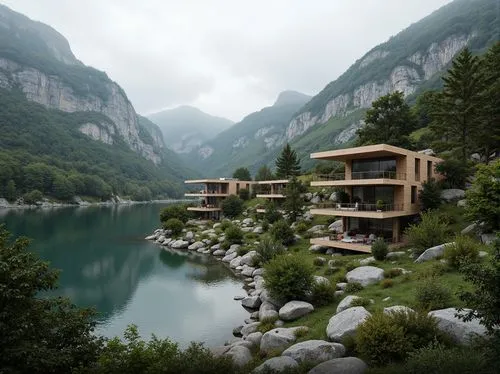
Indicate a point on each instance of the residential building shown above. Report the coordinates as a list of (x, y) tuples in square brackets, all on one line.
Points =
[(212, 192), (382, 185), (272, 190)]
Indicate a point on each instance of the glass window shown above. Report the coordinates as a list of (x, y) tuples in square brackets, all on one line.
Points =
[(413, 194), (429, 170), (371, 194), (373, 168), (417, 169)]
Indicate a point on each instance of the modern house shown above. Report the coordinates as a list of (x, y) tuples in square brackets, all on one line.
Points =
[(212, 192), (272, 190), (381, 184)]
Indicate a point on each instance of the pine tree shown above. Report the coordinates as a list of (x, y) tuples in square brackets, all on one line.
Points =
[(287, 163), (10, 190), (293, 201)]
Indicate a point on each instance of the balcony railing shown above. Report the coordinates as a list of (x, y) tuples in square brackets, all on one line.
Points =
[(359, 238), (207, 192), (362, 175), (361, 207)]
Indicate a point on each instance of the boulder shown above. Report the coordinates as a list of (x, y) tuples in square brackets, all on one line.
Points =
[(469, 229), (230, 257), (316, 228), (233, 248), (398, 309), (220, 350), (249, 328), (315, 248), (451, 194), (295, 309), (254, 338), (189, 236), (258, 230), (259, 271), (267, 310), (395, 255), (219, 252), (460, 331), (318, 279), (277, 339), (179, 244), (316, 199), (235, 262), (241, 355), (367, 261), (462, 203), (345, 365), (252, 302), (308, 196), (432, 253), (365, 275), (217, 224), (320, 261), (259, 281), (237, 331), (196, 245), (265, 296), (346, 303), (307, 216), (150, 237), (247, 222), (248, 258), (345, 323), (247, 270), (336, 227), (488, 238), (276, 365), (341, 285), (314, 351), (238, 297)]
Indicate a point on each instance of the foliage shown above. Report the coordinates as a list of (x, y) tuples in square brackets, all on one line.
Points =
[(178, 211), (39, 333), (431, 231), (361, 301), (289, 277), (483, 198), (319, 261), (322, 293), (10, 190), (430, 195), (302, 226), (244, 194), (268, 248), (175, 225), (272, 214), (264, 174), (353, 287), (287, 163), (225, 224), (267, 324), (431, 295), (242, 174), (293, 200), (387, 283), (234, 235), (389, 121), (455, 172), (379, 249), (282, 232), (232, 206), (392, 273), (32, 197), (156, 356), (463, 250)]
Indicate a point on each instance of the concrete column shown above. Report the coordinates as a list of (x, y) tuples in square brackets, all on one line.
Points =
[(395, 229)]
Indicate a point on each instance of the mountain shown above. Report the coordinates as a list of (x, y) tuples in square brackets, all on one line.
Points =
[(186, 127), (83, 113), (253, 139)]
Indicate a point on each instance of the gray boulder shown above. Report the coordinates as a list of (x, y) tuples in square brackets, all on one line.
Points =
[(367, 261), (365, 275), (179, 244), (314, 351), (219, 350), (432, 253), (452, 194), (235, 262), (320, 261), (230, 257), (336, 226), (488, 238), (276, 364), (249, 328), (219, 252), (254, 338), (345, 323), (252, 302), (258, 230), (267, 310), (395, 255), (295, 309), (345, 365), (241, 355), (277, 339), (247, 271), (196, 245), (470, 229), (247, 222), (460, 331), (316, 228), (189, 236), (259, 271), (248, 258), (315, 248), (462, 203), (346, 303), (265, 296)]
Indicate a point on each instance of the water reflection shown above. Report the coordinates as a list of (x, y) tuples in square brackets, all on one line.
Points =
[(106, 263)]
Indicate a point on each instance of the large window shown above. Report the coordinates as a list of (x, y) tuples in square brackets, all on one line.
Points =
[(367, 226), (374, 168), (413, 194), (371, 194)]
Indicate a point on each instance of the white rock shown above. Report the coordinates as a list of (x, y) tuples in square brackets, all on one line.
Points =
[(247, 271), (336, 226), (398, 309), (259, 282), (276, 364), (247, 222), (259, 271), (452, 194), (258, 230), (230, 257), (277, 339), (316, 228), (365, 275), (341, 285), (318, 279), (344, 365), (346, 303), (314, 351), (252, 302), (367, 261), (249, 328), (394, 255), (462, 203), (265, 296), (150, 237), (267, 310), (196, 245), (241, 355), (217, 224), (432, 253), (460, 331), (189, 236), (315, 248), (219, 252), (295, 309), (345, 323), (235, 262), (179, 244), (254, 338), (248, 258), (469, 229)]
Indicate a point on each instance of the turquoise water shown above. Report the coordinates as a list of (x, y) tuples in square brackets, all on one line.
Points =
[(106, 263)]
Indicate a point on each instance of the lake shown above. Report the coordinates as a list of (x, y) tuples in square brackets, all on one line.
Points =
[(106, 263)]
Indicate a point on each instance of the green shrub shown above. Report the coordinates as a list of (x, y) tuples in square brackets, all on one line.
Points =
[(282, 232), (431, 231), (267, 324), (435, 270), (319, 261), (331, 270), (302, 227), (232, 206), (272, 214), (267, 249), (175, 225), (244, 194), (32, 197), (322, 293), (234, 235), (289, 277), (463, 250), (362, 301), (353, 287), (265, 225), (351, 266), (430, 295), (225, 224), (225, 245), (392, 273), (430, 195), (379, 249), (300, 332), (178, 211), (387, 283)]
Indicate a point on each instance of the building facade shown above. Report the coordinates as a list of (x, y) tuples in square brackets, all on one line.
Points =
[(381, 185), (272, 190)]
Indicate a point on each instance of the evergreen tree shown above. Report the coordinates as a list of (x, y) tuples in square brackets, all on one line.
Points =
[(287, 163), (264, 174), (242, 174), (457, 108), (10, 190), (293, 201), (389, 121)]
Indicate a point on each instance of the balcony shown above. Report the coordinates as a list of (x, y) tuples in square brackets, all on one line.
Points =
[(360, 210), (205, 208), (359, 178), (206, 193), (359, 243)]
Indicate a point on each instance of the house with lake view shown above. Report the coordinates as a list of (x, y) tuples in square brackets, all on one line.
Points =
[(212, 192), (273, 191), (381, 184)]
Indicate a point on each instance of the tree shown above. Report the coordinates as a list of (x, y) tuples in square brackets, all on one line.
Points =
[(244, 194), (389, 121), (178, 211), (32, 197), (293, 201), (232, 206), (264, 174), (10, 190), (483, 198), (242, 174), (430, 195), (287, 163), (457, 108), (62, 188), (39, 334), (455, 172)]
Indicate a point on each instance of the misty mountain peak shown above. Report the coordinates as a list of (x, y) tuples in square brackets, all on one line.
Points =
[(291, 97)]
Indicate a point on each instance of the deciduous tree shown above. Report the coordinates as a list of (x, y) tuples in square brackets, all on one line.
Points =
[(242, 174)]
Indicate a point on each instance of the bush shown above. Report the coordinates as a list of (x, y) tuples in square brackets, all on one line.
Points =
[(267, 249), (431, 231), (463, 250), (322, 293), (282, 232), (302, 227), (289, 277), (392, 273), (234, 235), (379, 249), (455, 171), (430, 195), (178, 211), (232, 206), (265, 225), (319, 261), (225, 224), (175, 225), (353, 287), (430, 295), (272, 214), (331, 271), (387, 283), (244, 194), (351, 266), (300, 332), (267, 324), (32, 197), (362, 301)]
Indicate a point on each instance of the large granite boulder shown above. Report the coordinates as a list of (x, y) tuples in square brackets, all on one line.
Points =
[(365, 275), (316, 248), (267, 311), (452, 194), (196, 245), (367, 261), (247, 271), (249, 328), (252, 302), (241, 355), (229, 257), (460, 331), (265, 296), (235, 262), (219, 252), (179, 244), (345, 323), (248, 258), (345, 365), (276, 364), (254, 338), (314, 351), (346, 303), (278, 339), (295, 309), (336, 226), (432, 253)]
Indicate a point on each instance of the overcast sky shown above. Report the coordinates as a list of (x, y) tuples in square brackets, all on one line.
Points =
[(227, 57)]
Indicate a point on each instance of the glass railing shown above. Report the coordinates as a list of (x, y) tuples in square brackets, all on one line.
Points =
[(376, 174), (362, 207)]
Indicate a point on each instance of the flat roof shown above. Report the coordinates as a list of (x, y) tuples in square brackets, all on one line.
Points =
[(368, 151), (215, 180), (274, 181)]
